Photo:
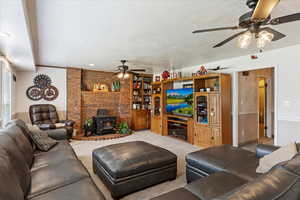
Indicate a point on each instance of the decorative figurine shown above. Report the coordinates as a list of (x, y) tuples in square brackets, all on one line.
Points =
[(174, 75), (157, 78), (202, 71)]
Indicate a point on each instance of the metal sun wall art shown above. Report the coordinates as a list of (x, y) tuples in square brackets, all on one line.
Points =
[(42, 89)]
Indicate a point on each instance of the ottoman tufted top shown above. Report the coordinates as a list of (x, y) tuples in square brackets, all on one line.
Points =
[(130, 158)]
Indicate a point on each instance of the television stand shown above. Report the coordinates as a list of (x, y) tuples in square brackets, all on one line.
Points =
[(179, 127)]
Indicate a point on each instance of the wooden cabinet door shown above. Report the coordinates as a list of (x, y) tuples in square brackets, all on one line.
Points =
[(203, 136), (140, 120), (197, 135), (214, 109), (156, 126), (206, 137), (217, 136)]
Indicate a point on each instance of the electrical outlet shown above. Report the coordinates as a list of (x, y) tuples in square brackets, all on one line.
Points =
[(243, 133)]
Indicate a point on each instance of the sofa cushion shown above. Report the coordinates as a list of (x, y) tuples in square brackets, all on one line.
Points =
[(80, 190), (10, 187), (18, 163), (21, 142), (282, 154), (225, 158), (277, 184), (180, 193), (130, 158), (52, 177), (42, 141), (62, 145), (215, 185), (293, 165), (24, 128), (52, 158)]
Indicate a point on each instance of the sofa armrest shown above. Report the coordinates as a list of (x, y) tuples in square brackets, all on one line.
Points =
[(67, 122), (58, 134), (46, 126), (264, 149)]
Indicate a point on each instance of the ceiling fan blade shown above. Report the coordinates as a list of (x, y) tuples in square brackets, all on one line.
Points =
[(217, 29), (277, 35), (229, 39), (138, 70), (263, 10), (218, 68), (285, 19), (131, 72)]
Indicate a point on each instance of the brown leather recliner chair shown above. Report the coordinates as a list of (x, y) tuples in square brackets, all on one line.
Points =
[(45, 117)]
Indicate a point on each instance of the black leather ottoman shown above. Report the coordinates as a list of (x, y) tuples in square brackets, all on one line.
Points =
[(128, 167), (221, 158)]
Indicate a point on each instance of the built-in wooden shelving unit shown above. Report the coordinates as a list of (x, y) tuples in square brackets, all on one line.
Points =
[(141, 101), (211, 122)]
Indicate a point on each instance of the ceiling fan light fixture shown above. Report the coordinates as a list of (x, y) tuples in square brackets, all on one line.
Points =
[(120, 75), (126, 76), (123, 75), (264, 37), (244, 40)]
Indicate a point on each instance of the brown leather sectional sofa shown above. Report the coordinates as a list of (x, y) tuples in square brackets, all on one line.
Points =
[(26, 173), (228, 173), (218, 173)]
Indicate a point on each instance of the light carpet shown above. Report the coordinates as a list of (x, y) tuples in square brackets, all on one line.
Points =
[(84, 150)]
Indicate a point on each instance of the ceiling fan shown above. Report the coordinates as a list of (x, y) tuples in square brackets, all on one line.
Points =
[(253, 22), (123, 70)]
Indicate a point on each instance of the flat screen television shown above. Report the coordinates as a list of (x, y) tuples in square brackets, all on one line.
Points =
[(180, 102)]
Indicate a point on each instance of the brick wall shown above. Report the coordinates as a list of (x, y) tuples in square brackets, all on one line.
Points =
[(74, 96), (89, 78), (84, 104)]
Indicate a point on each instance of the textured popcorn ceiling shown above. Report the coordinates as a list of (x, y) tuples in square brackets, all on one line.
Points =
[(149, 33)]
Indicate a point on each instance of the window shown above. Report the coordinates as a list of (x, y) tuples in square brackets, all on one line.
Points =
[(6, 84)]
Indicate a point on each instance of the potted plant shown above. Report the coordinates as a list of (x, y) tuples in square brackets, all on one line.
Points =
[(88, 127), (116, 85), (123, 128)]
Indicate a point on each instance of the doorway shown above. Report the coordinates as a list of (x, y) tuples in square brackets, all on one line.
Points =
[(256, 107)]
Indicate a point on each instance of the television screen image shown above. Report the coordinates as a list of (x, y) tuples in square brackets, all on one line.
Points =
[(180, 102)]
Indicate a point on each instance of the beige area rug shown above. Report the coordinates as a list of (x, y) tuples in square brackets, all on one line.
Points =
[(84, 151)]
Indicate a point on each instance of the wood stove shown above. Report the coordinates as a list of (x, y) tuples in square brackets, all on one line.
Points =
[(104, 124)]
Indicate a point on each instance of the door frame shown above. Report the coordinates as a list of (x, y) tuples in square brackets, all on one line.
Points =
[(235, 107), (265, 106)]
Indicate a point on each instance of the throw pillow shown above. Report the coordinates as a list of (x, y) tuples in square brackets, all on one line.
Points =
[(42, 140), (33, 127), (284, 153)]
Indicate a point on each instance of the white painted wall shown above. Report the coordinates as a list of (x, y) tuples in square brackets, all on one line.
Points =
[(25, 80), (287, 87)]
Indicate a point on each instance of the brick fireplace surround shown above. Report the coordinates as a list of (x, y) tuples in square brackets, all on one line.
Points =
[(82, 105)]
